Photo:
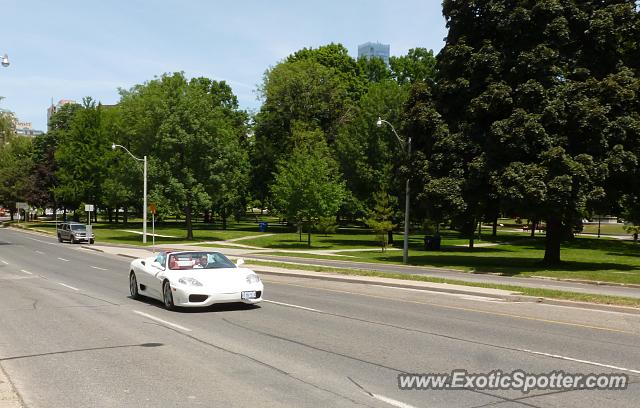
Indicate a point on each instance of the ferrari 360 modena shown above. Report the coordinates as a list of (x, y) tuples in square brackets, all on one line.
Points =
[(193, 279)]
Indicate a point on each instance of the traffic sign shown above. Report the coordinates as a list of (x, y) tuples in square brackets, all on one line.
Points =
[(153, 209)]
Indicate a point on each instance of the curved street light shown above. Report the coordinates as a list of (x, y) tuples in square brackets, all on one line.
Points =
[(144, 208), (5, 60), (407, 144)]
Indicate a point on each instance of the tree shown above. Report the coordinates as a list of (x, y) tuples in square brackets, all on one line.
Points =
[(536, 97), (80, 157), (190, 131), (419, 65), (15, 167), (307, 185), (7, 126), (380, 218)]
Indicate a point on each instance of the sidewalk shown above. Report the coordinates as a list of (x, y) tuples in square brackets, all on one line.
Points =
[(8, 396)]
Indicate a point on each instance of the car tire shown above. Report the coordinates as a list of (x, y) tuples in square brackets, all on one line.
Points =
[(73, 240), (92, 241), (133, 286), (167, 296)]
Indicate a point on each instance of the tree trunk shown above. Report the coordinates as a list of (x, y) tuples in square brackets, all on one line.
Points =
[(117, 209), (480, 231), (552, 244), (309, 235), (635, 237), (187, 214), (533, 228), (110, 214), (223, 215), (390, 237), (125, 215)]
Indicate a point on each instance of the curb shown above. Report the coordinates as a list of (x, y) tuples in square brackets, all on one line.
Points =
[(516, 298)]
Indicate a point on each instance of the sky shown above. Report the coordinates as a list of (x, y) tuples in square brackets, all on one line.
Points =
[(68, 49)]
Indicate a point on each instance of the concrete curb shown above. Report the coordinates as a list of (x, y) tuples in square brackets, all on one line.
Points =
[(510, 298), (327, 277), (9, 397)]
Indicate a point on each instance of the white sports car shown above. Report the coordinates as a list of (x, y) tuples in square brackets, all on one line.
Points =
[(193, 279)]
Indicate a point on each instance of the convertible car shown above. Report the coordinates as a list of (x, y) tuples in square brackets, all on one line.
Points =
[(193, 279)]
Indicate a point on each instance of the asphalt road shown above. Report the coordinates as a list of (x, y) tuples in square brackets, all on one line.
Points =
[(610, 290), (71, 337)]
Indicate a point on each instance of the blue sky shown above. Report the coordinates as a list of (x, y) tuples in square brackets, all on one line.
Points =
[(68, 49)]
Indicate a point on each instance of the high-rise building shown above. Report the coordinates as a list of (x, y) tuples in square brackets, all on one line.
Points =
[(374, 50), (54, 108)]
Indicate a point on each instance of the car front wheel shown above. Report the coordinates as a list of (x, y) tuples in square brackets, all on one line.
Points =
[(133, 286), (167, 296)]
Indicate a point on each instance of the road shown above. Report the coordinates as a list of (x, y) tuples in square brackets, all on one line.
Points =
[(71, 337)]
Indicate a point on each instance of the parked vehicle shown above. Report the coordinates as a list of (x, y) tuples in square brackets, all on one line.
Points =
[(74, 232)]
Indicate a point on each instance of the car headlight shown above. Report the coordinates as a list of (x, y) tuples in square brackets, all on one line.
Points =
[(253, 278), (189, 281)]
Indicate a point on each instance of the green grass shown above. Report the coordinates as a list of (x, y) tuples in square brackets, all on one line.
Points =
[(117, 234), (535, 292), (605, 229)]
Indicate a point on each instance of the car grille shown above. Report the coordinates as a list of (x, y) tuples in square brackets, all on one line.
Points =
[(197, 298)]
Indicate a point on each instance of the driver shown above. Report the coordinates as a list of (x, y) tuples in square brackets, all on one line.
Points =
[(202, 262)]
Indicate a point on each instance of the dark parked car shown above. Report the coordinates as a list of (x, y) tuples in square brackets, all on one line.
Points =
[(74, 232)]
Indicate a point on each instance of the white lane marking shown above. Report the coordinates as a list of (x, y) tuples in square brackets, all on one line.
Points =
[(391, 401), (39, 252), (148, 316), (98, 268), (539, 353), (458, 295), (4, 262), (25, 271), (62, 259), (39, 240), (67, 286), (290, 305)]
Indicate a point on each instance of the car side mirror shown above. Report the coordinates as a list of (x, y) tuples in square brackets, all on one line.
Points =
[(240, 262)]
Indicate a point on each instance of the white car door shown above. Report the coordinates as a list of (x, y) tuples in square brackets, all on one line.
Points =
[(153, 268)]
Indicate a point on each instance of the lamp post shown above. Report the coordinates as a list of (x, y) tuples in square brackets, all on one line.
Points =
[(5, 60), (407, 143), (144, 208)]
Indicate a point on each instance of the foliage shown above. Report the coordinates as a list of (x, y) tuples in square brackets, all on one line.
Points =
[(380, 218), (307, 185), (326, 225), (15, 166)]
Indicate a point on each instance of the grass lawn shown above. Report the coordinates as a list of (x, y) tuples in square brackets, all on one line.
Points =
[(588, 258), (605, 229), (117, 233)]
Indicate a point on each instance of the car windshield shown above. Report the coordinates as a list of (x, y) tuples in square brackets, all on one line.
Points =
[(199, 260), (77, 227)]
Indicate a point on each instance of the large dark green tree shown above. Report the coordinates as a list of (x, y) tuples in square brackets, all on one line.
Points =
[(540, 100)]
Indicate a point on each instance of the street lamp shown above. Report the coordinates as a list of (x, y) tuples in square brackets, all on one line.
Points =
[(5, 60), (407, 143), (144, 208)]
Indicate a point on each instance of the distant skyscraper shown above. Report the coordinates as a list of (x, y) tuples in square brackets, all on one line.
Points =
[(54, 108), (374, 50)]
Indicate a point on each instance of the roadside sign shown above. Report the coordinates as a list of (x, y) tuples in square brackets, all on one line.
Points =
[(88, 207), (22, 206), (153, 209)]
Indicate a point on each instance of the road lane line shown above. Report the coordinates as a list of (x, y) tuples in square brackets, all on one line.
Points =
[(39, 240), (539, 353), (148, 316), (62, 259), (27, 272), (464, 296), (67, 286), (391, 401), (4, 262), (98, 268), (39, 252), (465, 309), (290, 305)]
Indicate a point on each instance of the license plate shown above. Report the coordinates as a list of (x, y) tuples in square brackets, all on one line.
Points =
[(248, 295)]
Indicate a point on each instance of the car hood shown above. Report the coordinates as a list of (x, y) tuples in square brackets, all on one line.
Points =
[(224, 280)]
